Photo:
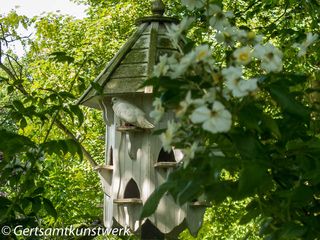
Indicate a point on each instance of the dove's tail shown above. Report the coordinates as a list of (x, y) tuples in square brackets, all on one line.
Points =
[(144, 123)]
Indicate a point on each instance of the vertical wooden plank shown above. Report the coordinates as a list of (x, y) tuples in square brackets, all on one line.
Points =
[(116, 185), (108, 211)]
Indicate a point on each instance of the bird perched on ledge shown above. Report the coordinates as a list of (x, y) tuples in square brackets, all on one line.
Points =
[(130, 113)]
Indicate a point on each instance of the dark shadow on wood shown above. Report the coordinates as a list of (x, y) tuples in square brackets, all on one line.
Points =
[(150, 232), (111, 156), (132, 190), (165, 156)]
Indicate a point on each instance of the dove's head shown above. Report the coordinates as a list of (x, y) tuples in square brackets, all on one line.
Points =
[(114, 100)]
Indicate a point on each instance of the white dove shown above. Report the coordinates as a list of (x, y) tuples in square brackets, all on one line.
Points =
[(130, 113)]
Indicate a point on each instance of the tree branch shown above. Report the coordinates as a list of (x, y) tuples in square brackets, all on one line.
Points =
[(57, 122), (13, 77), (71, 135)]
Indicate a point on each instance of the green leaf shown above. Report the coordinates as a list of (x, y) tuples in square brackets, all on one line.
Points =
[(190, 192), (3, 79), (61, 57), (67, 110), (53, 146), (13, 143), (77, 111), (250, 116), (25, 203), (4, 202), (62, 147), (188, 47), (18, 105), (97, 87), (292, 230), (302, 195), (81, 86), (254, 178), (152, 202), (159, 131), (271, 124), (48, 206), (66, 95), (248, 146), (74, 148), (219, 191), (38, 191), (10, 89), (17, 208), (249, 216), (36, 204), (288, 102), (23, 123)]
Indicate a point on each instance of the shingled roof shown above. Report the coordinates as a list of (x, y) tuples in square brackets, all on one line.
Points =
[(134, 62)]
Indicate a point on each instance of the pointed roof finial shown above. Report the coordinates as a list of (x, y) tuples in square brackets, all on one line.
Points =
[(158, 8)]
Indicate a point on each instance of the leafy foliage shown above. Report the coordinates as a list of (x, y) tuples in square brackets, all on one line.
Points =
[(264, 154), (264, 170)]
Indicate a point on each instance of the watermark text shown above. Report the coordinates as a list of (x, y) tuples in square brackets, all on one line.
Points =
[(66, 231)]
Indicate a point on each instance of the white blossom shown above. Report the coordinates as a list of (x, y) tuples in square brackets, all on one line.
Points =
[(232, 73), (259, 51), (189, 153), (243, 55), (226, 93), (235, 84), (256, 38), (198, 102), (245, 36), (193, 4), (242, 35), (228, 36), (182, 66), (184, 105), (172, 60), (175, 30), (210, 95), (216, 151), (270, 56), (310, 39), (158, 111), (202, 53), (240, 87), (219, 19), (167, 137), (217, 119), (162, 67), (211, 65)]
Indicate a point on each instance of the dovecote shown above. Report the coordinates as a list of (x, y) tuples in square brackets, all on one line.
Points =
[(135, 162)]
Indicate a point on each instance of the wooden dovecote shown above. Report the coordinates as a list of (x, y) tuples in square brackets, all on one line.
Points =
[(135, 162)]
